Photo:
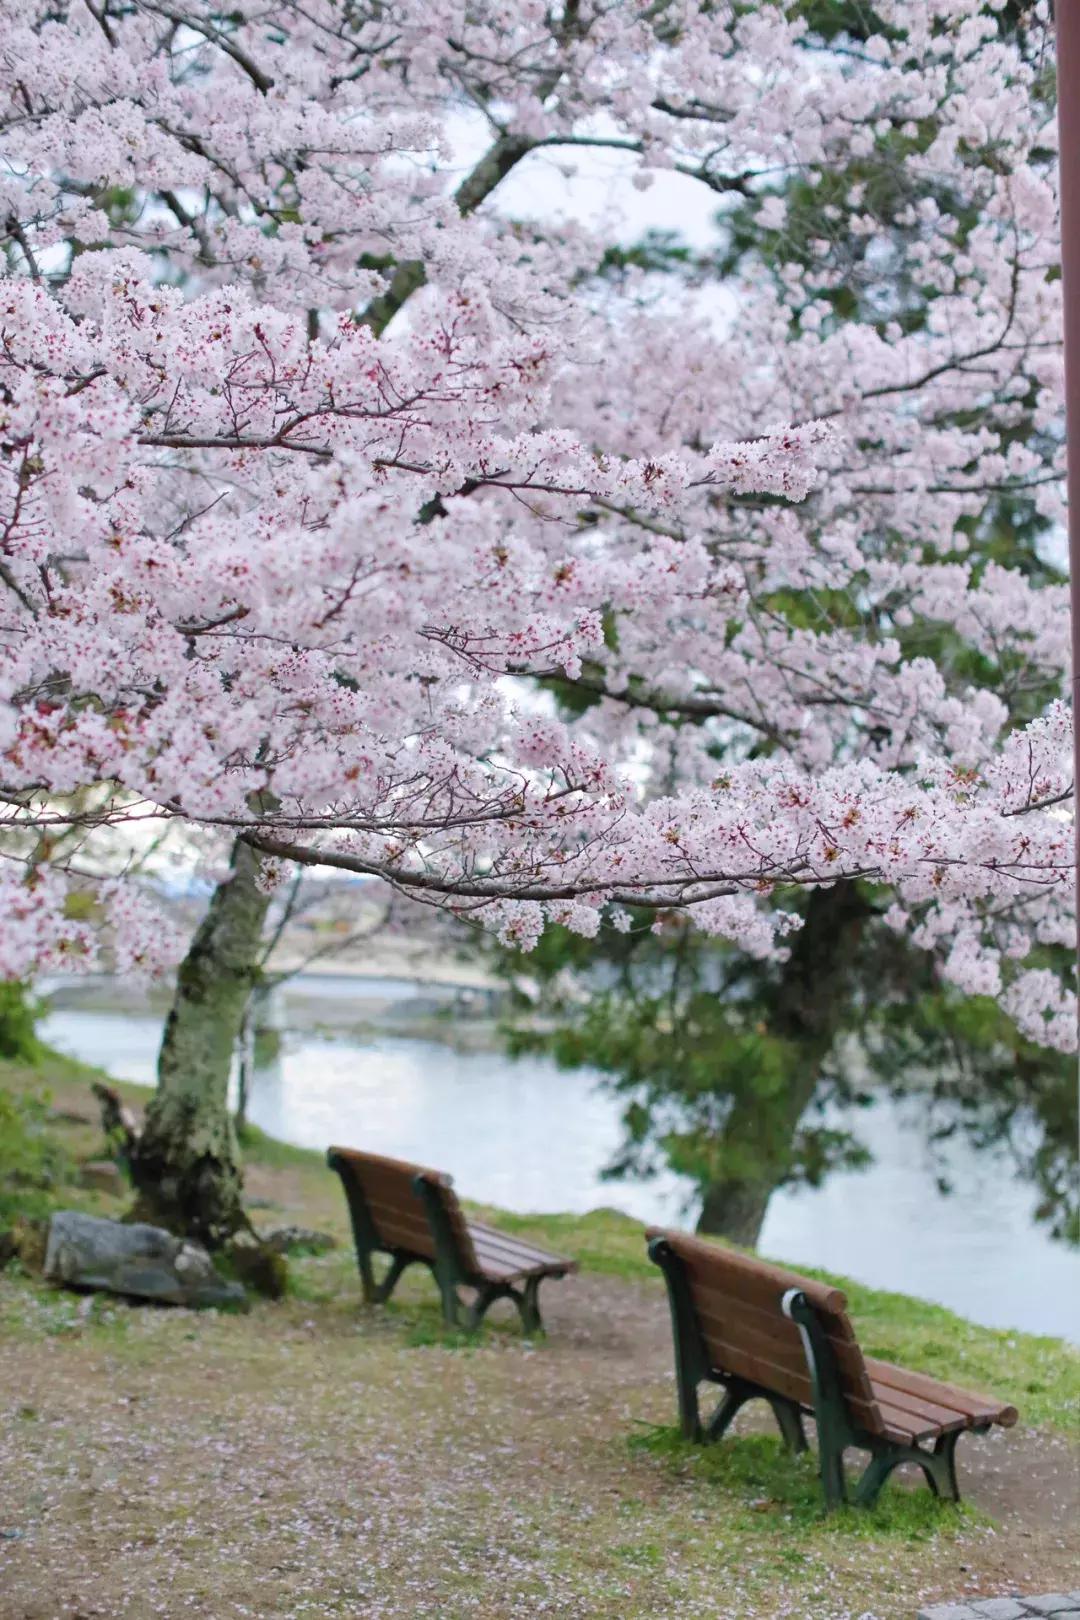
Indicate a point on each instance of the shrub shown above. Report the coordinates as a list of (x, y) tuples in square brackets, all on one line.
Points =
[(18, 1015), (32, 1162)]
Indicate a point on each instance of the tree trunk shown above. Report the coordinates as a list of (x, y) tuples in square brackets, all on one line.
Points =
[(186, 1167), (759, 1133), (807, 1010), (736, 1210)]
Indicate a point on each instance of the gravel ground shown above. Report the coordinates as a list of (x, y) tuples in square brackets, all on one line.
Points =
[(314, 1459)]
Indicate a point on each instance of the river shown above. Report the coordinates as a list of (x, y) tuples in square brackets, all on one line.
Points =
[(528, 1136)]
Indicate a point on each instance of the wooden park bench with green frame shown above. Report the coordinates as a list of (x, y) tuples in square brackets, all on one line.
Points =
[(411, 1214), (763, 1333)]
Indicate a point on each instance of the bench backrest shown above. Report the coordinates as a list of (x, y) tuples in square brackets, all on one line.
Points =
[(387, 1211), (737, 1300)]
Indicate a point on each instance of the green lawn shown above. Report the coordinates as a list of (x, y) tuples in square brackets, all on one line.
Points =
[(314, 1458), (1040, 1375)]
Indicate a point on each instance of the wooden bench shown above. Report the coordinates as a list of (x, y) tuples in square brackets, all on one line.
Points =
[(412, 1215), (767, 1334)]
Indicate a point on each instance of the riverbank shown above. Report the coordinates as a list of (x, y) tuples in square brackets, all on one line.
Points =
[(489, 1118), (312, 1458), (347, 1002)]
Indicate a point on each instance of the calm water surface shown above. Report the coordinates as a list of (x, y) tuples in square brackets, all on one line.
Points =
[(528, 1136)]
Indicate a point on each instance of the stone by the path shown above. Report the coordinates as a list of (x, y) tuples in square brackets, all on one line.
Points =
[(298, 1239), (86, 1251), (102, 1175), (1060, 1605), (1002, 1609)]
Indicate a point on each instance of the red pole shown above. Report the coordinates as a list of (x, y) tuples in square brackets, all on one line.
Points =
[(1068, 100)]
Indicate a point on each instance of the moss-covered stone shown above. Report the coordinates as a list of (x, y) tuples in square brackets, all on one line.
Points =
[(258, 1267)]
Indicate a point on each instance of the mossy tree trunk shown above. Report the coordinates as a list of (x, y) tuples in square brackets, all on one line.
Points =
[(735, 1209), (808, 1011), (186, 1165)]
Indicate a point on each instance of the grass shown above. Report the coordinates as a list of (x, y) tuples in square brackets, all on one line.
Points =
[(311, 1458), (1041, 1375), (759, 1478)]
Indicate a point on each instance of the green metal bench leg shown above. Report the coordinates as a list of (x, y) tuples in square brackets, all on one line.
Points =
[(790, 1423), (691, 1364), (377, 1293), (485, 1297), (384, 1289), (523, 1298), (833, 1478), (947, 1486), (737, 1393), (367, 1277), (446, 1263), (734, 1399), (877, 1471), (452, 1307), (528, 1304), (938, 1467)]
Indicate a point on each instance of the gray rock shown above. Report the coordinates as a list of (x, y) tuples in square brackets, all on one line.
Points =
[(291, 1239), (103, 1176), (85, 1251), (1000, 1609), (949, 1611), (1052, 1603)]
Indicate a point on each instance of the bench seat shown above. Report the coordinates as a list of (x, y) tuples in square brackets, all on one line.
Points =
[(916, 1407), (762, 1332), (502, 1258), (412, 1215)]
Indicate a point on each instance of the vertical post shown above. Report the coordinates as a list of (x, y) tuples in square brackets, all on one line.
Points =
[(447, 1264), (830, 1414), (1067, 16), (365, 1237), (691, 1364)]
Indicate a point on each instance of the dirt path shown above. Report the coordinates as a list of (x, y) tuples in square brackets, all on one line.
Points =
[(312, 1460)]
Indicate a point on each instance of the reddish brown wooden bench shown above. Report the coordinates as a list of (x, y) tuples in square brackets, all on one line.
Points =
[(763, 1333), (412, 1215)]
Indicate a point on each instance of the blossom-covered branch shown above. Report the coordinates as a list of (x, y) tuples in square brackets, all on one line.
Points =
[(349, 508)]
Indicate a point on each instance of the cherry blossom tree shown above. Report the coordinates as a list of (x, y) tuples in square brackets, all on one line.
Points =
[(322, 468), (732, 1069)]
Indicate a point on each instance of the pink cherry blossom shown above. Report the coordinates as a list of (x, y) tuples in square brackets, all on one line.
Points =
[(323, 471)]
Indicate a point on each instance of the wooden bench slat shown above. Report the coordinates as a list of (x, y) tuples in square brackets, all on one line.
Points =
[(784, 1348), (913, 1401), (763, 1292), (393, 1186), (401, 1229), (521, 1246), (921, 1412), (907, 1427), (503, 1248), (977, 1407), (495, 1268), (372, 1165), (780, 1376), (769, 1322), (772, 1337), (746, 1275), (506, 1244)]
